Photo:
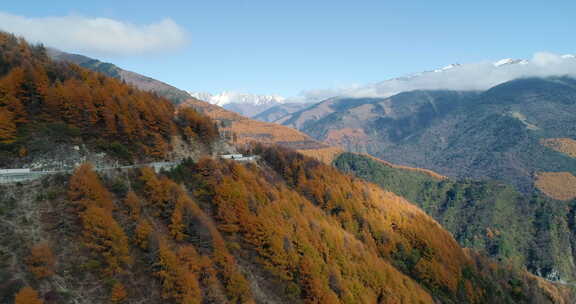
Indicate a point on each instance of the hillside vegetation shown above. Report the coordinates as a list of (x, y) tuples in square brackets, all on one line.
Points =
[(529, 231), (284, 229), (139, 81), (509, 132), (291, 230), (43, 103)]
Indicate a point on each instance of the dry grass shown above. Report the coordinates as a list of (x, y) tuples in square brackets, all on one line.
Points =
[(251, 130), (563, 145), (557, 185), (325, 155), (425, 171)]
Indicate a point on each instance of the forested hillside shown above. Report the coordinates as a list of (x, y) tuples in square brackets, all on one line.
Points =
[(290, 230), (283, 229), (511, 132), (46, 105), (140, 81), (530, 231)]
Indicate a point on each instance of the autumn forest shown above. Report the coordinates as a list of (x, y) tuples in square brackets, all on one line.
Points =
[(286, 228)]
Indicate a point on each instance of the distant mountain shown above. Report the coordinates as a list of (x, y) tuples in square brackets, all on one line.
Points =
[(235, 97), (244, 104), (243, 131), (478, 76), (140, 81), (276, 112), (503, 133)]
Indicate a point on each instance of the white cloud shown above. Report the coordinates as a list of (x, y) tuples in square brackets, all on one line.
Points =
[(474, 76), (96, 36)]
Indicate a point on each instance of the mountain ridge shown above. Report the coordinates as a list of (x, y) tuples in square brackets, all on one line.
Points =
[(140, 81), (478, 76), (459, 134), (282, 229)]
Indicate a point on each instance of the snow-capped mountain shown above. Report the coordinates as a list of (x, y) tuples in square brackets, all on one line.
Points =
[(470, 76), (235, 97), (507, 61), (461, 77), (243, 103)]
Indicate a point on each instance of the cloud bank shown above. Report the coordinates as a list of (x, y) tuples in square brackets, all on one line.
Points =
[(474, 76), (96, 36)]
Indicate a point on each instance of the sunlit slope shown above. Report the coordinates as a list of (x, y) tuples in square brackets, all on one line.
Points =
[(530, 231), (242, 130)]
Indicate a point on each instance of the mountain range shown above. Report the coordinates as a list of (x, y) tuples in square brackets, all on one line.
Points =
[(478, 76), (242, 103), (210, 230), (282, 228), (501, 133), (464, 77)]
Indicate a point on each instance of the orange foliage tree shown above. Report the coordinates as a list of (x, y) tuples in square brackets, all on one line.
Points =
[(142, 233), (105, 236), (134, 205), (118, 294), (27, 295), (195, 125), (34, 90), (86, 189), (101, 232), (7, 126), (179, 281), (41, 261)]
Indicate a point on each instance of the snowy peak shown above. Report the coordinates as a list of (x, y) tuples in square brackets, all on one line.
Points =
[(244, 104), (224, 98), (508, 61), (461, 77), (448, 67)]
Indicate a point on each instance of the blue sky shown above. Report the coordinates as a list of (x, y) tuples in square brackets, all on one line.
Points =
[(285, 47)]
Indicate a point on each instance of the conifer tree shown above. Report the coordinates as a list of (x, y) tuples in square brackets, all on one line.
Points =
[(41, 261), (7, 126), (118, 294), (27, 295)]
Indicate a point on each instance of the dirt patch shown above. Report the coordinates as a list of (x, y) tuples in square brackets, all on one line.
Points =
[(563, 145), (557, 185)]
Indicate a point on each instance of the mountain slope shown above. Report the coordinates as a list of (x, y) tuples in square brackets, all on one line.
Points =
[(56, 115), (479, 76), (531, 231), (496, 134), (289, 230), (244, 131), (142, 82), (286, 229), (276, 112)]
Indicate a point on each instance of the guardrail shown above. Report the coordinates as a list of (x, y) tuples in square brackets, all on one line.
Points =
[(6, 178), (22, 177)]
